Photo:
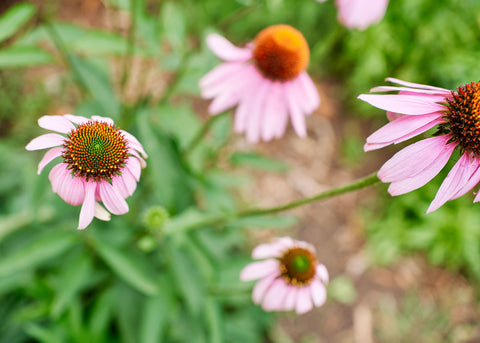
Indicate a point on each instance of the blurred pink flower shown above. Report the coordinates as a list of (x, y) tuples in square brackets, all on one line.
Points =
[(416, 109), (266, 79), (289, 277), (99, 163), (359, 14)]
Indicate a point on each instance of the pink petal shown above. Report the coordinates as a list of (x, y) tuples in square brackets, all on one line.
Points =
[(133, 165), (405, 104), (296, 115), (257, 105), (56, 123), (49, 156), (242, 114), (57, 175), (414, 91), (456, 179), (262, 286), (411, 183), (125, 184), (88, 207), (71, 190), (304, 300), (112, 199), (133, 152), (322, 273), (48, 140), (413, 159), (260, 269), (79, 120), (319, 293), (101, 213), (417, 85), (226, 50), (307, 92), (107, 120), (262, 251), (213, 82), (134, 143), (291, 298), (359, 14), (274, 108), (274, 297), (472, 182)]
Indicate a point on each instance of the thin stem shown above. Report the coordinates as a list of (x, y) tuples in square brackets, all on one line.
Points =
[(201, 133), (354, 186)]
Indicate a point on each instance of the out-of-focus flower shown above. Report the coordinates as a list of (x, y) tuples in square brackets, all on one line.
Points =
[(359, 14), (266, 79), (99, 163), (416, 109), (289, 277)]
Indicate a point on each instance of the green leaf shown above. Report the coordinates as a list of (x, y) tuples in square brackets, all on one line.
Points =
[(98, 42), (174, 24), (184, 221), (213, 317), (23, 56), (128, 268), (155, 316), (42, 334), (14, 19), (35, 253), (257, 161)]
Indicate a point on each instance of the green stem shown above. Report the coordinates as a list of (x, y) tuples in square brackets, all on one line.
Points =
[(367, 181), (201, 133)]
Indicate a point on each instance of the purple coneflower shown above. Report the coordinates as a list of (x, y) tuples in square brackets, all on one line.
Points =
[(289, 277), (416, 109), (266, 80), (99, 163)]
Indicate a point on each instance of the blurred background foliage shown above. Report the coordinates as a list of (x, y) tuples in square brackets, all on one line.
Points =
[(146, 277)]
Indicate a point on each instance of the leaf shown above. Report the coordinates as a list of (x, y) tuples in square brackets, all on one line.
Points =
[(35, 253), (128, 268), (155, 316), (213, 316), (187, 219), (23, 56), (257, 161), (99, 42), (15, 18), (174, 24)]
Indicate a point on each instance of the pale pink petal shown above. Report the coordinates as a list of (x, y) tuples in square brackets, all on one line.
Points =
[(304, 300), (282, 121), (322, 273), (359, 14), (134, 166), (417, 85), (405, 104), (308, 93), (267, 250), (318, 292), (456, 179), (137, 155), (56, 176), (413, 159), (274, 297), (48, 140), (72, 189), (226, 50), (259, 269), (213, 82), (242, 114), (435, 95), (119, 185), (107, 120), (262, 286), (101, 213), (56, 123), (409, 184), (49, 156), (472, 182), (291, 298), (88, 207), (134, 143), (274, 107), (125, 184), (296, 115), (79, 120), (257, 105), (112, 199)]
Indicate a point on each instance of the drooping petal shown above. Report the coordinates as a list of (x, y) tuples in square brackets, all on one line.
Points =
[(257, 105), (101, 213), (304, 301), (322, 273), (262, 286), (226, 50), (56, 123), (49, 156), (112, 199), (405, 104), (259, 269), (291, 298), (273, 300), (134, 143), (308, 94), (296, 115), (216, 79), (319, 293), (71, 189), (48, 140), (88, 207), (413, 159), (56, 176), (242, 114), (472, 182), (134, 166), (456, 179), (125, 184), (435, 95)]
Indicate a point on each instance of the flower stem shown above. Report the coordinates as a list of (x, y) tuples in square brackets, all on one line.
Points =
[(201, 133)]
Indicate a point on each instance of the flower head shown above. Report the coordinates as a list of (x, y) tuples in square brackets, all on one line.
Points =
[(266, 80), (290, 277), (416, 109), (99, 163)]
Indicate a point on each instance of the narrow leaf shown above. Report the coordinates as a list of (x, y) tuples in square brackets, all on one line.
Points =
[(14, 19), (23, 56)]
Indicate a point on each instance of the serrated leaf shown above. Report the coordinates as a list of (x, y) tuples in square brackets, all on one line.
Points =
[(36, 253), (23, 56), (16, 16), (128, 268)]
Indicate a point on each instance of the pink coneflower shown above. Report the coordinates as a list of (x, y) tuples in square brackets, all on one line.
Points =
[(416, 109), (290, 277), (266, 79), (99, 163), (360, 14)]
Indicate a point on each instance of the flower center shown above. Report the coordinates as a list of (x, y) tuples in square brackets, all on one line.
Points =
[(281, 52), (464, 117), (95, 150), (298, 266)]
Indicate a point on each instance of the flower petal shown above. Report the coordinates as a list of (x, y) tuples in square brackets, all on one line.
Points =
[(307, 92), (296, 114), (101, 213), (216, 79), (472, 181), (274, 297), (322, 273), (262, 286), (56, 176), (134, 143), (56, 123), (88, 207), (417, 85), (49, 156), (107, 120), (48, 140), (226, 50), (319, 292), (291, 298), (134, 166), (259, 269), (72, 189), (79, 120), (405, 104), (304, 300), (112, 199)]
